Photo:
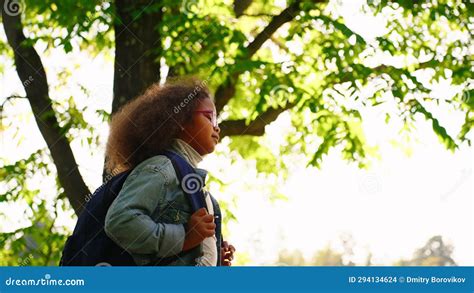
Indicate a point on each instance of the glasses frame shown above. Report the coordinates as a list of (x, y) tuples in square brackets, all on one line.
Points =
[(213, 117)]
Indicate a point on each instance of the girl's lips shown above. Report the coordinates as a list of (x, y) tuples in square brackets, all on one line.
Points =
[(216, 137)]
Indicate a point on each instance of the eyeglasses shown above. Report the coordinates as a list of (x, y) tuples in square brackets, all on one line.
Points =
[(213, 117)]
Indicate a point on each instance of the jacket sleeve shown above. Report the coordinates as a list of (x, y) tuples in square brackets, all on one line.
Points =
[(128, 221)]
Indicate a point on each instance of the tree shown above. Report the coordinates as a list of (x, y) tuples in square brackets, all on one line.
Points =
[(290, 258), (327, 256), (260, 60), (434, 253)]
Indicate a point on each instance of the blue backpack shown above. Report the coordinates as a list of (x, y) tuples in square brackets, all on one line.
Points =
[(89, 245)]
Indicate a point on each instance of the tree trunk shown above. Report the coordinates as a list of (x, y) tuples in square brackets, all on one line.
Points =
[(137, 48), (33, 77)]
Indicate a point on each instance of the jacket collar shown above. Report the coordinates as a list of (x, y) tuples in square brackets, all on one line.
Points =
[(183, 149)]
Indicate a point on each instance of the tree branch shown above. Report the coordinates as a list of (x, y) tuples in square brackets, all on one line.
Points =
[(33, 76), (280, 45), (7, 99), (240, 6), (227, 90), (285, 16), (256, 127), (258, 15)]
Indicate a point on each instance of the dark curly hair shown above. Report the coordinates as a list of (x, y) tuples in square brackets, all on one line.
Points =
[(147, 125)]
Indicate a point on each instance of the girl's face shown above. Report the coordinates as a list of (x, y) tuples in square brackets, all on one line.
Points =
[(202, 132)]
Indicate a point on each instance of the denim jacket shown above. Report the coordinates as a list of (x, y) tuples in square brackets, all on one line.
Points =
[(147, 217)]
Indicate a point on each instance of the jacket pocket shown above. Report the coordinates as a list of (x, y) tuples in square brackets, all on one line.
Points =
[(173, 212)]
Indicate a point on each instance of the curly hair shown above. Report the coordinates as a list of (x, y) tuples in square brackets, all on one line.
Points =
[(147, 125)]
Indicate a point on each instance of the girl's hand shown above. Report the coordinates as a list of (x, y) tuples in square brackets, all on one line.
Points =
[(227, 254), (200, 225)]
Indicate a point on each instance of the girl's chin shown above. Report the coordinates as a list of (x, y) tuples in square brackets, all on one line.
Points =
[(207, 150), (212, 148)]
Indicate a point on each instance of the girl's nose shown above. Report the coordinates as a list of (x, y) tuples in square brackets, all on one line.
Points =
[(217, 129)]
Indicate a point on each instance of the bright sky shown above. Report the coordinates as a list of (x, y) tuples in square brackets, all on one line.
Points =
[(390, 210)]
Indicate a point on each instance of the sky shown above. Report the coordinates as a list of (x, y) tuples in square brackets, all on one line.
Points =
[(415, 191)]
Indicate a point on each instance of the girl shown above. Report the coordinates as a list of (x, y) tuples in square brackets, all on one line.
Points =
[(151, 217)]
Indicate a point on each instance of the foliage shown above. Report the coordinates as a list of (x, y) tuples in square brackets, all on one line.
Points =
[(317, 62), (434, 253), (39, 239)]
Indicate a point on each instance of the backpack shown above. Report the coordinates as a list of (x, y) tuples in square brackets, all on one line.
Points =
[(89, 245)]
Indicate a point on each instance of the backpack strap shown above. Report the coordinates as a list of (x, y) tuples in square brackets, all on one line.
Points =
[(191, 183), (218, 221)]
